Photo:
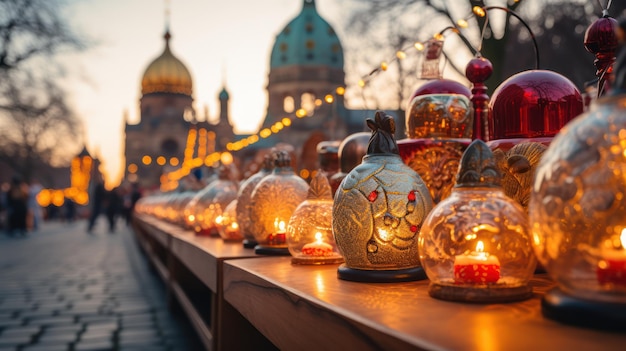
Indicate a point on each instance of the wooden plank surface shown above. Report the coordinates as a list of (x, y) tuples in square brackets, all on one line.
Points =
[(307, 307)]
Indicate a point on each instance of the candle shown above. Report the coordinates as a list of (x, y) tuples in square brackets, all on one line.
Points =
[(612, 266), (279, 237), (478, 267), (318, 248)]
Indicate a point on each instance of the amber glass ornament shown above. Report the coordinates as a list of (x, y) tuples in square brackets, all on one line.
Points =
[(578, 213), (211, 201), (439, 127), (378, 211), (227, 225), (475, 245), (273, 201), (309, 232), (244, 205), (351, 152)]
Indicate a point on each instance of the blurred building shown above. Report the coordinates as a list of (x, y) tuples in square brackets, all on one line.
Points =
[(306, 68)]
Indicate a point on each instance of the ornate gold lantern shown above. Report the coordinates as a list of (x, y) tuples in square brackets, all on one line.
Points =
[(273, 201)]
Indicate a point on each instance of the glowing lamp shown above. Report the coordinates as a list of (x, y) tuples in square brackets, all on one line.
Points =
[(309, 232), (212, 200), (227, 225), (475, 245), (439, 128), (577, 212), (244, 206), (378, 211), (273, 201)]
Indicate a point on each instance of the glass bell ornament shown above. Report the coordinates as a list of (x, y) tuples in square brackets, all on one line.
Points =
[(244, 205), (309, 231), (227, 225), (351, 151), (211, 201), (578, 212), (475, 245), (439, 128), (378, 211), (273, 201)]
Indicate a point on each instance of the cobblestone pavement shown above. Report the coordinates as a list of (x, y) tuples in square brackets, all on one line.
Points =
[(64, 289)]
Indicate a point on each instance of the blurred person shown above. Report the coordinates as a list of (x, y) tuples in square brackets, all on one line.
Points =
[(135, 195), (17, 206), (97, 200), (34, 209), (114, 207)]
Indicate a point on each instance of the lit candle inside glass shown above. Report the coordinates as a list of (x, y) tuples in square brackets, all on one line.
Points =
[(318, 248), (479, 267), (612, 265), (279, 237)]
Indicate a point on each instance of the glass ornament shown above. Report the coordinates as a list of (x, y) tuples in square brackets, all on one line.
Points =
[(328, 157), (244, 205), (273, 201), (309, 231), (378, 211), (601, 40), (227, 225), (475, 245), (211, 201), (439, 127), (578, 213)]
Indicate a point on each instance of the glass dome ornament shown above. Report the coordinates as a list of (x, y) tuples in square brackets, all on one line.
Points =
[(273, 201), (475, 245), (227, 225), (578, 212), (378, 211), (351, 151), (309, 231), (439, 128), (244, 205), (211, 201)]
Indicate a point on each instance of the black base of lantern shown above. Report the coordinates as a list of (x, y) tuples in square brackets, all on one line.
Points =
[(271, 250), (380, 276), (561, 307), (479, 294), (249, 244)]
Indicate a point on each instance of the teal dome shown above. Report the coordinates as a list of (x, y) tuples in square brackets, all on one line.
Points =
[(223, 95), (307, 40)]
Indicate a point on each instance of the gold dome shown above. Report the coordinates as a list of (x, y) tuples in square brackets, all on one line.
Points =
[(166, 74)]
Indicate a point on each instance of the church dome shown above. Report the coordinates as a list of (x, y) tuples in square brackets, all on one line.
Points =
[(166, 74), (307, 40)]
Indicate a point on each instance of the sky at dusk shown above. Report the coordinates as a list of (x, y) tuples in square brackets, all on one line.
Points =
[(219, 42)]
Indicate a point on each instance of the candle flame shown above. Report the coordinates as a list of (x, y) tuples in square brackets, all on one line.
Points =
[(480, 247), (218, 220), (318, 236), (281, 226), (622, 238), (234, 225)]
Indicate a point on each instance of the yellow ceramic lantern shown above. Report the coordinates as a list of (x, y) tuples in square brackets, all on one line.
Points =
[(378, 211)]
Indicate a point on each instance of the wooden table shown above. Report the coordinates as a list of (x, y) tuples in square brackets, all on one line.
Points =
[(307, 307), (192, 266)]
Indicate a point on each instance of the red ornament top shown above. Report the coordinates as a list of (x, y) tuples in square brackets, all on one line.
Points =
[(478, 70), (533, 104), (601, 40), (441, 86)]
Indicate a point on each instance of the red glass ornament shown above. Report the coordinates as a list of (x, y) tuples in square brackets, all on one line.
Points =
[(601, 40), (478, 70), (441, 86), (532, 106)]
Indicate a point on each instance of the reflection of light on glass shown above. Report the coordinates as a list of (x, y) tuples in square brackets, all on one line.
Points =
[(383, 234)]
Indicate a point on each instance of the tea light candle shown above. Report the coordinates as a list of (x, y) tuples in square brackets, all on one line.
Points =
[(318, 248), (279, 237), (478, 267), (612, 266)]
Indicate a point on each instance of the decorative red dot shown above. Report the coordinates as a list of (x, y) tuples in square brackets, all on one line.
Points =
[(372, 196), (414, 228), (412, 195)]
